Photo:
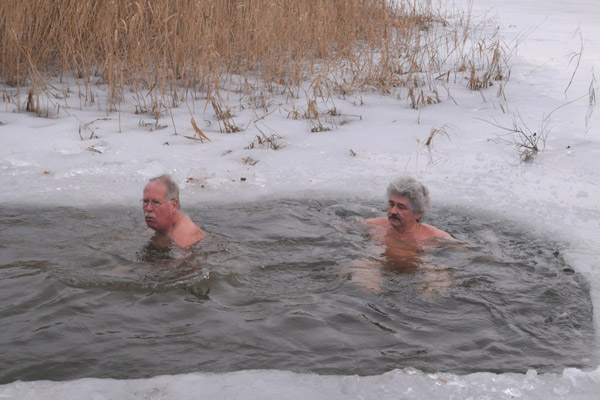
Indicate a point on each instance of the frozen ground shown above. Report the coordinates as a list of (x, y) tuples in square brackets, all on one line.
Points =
[(44, 161)]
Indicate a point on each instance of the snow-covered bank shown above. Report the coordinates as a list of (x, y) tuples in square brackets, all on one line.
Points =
[(409, 384), (88, 157)]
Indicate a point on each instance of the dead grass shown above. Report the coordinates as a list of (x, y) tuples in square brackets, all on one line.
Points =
[(435, 132), (592, 103), (264, 141), (527, 142), (164, 51), (224, 116)]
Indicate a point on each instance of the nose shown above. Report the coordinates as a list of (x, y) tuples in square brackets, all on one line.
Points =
[(147, 206)]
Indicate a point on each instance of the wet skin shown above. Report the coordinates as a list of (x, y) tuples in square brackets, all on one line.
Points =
[(403, 238), (163, 215), (402, 224)]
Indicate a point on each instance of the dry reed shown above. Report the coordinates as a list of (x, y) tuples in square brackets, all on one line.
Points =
[(163, 50)]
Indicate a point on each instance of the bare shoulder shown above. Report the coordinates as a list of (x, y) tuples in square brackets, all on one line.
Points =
[(187, 232), (378, 226), (190, 228), (381, 221), (431, 232)]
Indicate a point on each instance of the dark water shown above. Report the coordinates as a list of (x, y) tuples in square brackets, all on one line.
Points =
[(273, 287)]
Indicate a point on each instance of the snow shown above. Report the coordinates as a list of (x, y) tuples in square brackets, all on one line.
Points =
[(84, 156), (284, 385)]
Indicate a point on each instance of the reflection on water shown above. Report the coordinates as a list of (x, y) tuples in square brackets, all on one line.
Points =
[(276, 286)]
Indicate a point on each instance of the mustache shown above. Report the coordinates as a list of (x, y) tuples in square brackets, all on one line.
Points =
[(149, 214), (394, 216)]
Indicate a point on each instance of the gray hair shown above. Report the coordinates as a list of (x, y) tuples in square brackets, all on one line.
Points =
[(172, 187), (413, 190)]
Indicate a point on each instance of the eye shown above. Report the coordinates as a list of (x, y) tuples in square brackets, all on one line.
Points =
[(155, 203)]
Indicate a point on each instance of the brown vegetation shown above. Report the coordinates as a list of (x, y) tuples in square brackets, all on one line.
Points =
[(166, 50)]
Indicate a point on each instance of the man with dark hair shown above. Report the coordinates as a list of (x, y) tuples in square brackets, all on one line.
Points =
[(162, 213)]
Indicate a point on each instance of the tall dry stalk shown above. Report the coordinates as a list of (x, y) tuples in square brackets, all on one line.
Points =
[(153, 46)]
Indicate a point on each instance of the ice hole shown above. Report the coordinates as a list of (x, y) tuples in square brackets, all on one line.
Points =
[(273, 287)]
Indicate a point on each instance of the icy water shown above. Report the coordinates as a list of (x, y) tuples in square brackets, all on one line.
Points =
[(84, 294)]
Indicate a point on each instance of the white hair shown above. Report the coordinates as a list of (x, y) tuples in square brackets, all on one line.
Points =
[(413, 190), (171, 185)]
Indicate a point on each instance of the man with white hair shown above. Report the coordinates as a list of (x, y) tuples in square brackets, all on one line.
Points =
[(162, 213), (408, 200)]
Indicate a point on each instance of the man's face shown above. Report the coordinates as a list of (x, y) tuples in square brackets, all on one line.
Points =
[(400, 213), (158, 211)]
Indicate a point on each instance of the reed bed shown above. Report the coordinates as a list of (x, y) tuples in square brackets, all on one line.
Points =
[(166, 50)]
